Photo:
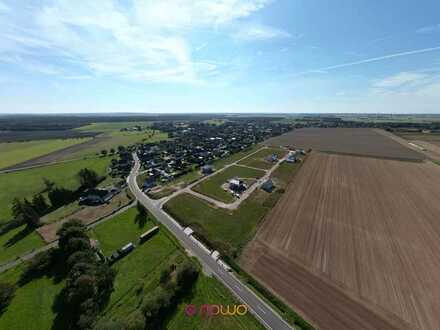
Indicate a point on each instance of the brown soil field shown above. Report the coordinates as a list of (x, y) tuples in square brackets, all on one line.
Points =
[(352, 141), (354, 237)]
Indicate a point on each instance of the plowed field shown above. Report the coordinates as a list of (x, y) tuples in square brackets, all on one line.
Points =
[(355, 243)]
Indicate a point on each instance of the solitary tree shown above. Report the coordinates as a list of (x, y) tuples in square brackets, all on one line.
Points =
[(103, 152)]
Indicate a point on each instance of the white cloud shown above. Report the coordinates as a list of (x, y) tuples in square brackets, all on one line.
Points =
[(259, 32), (147, 40), (3, 7), (429, 29), (401, 79)]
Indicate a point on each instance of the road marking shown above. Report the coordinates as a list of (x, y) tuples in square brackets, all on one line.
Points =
[(261, 309), (238, 288)]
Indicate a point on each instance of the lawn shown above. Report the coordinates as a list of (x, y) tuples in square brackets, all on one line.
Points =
[(230, 230), (258, 159), (29, 182), (31, 308), (120, 230), (17, 242), (16, 152), (212, 187), (209, 290)]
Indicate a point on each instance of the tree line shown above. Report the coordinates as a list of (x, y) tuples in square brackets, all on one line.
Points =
[(25, 211)]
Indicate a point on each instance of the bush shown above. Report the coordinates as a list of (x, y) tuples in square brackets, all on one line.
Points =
[(136, 321), (7, 292)]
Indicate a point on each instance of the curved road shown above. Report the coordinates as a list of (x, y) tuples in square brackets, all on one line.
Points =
[(262, 311)]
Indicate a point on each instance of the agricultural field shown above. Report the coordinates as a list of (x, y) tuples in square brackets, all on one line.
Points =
[(29, 182), (359, 234), (351, 141), (259, 159), (229, 231), (428, 143), (14, 153), (212, 186)]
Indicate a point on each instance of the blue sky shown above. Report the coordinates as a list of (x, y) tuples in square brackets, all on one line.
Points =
[(380, 56)]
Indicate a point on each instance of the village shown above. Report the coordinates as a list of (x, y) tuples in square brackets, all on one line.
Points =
[(195, 145)]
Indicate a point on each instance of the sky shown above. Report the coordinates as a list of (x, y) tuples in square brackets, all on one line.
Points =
[(176, 56)]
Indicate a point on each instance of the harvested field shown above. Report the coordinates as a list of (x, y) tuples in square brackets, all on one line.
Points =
[(353, 141), (355, 230)]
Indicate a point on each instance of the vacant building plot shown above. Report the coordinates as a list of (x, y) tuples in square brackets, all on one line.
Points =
[(216, 186), (264, 158), (368, 228), (353, 141)]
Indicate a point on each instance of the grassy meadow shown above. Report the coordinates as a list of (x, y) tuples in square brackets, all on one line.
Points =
[(16, 152)]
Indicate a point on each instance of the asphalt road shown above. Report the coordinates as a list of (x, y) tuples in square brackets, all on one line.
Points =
[(263, 312)]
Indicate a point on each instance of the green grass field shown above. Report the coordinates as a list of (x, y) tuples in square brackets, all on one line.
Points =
[(31, 307), (17, 242), (218, 164), (126, 227), (230, 230), (208, 290), (29, 182), (137, 274), (258, 160), (227, 230), (16, 152), (212, 186)]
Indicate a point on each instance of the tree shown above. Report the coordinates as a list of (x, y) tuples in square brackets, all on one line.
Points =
[(72, 229), (187, 273), (48, 185), (112, 151), (121, 149), (88, 178), (60, 196), (29, 214), (104, 152), (17, 208), (142, 211), (7, 292), (40, 205)]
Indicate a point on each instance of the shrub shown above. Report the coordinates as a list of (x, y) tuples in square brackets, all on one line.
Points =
[(7, 292)]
